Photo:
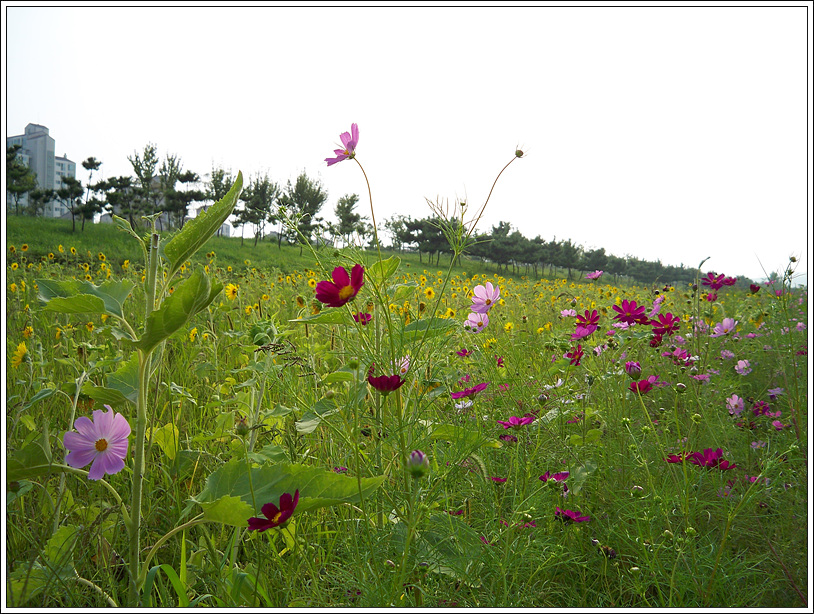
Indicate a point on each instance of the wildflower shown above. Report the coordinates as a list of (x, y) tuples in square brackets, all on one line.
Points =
[(570, 516), (586, 324), (404, 365), (743, 367), (28, 331), (343, 288), (644, 386), (775, 392), (758, 444), (14, 266), (778, 426), (500, 364), (726, 354), (730, 281), (735, 405), (19, 355), (575, 355), (633, 369), (12, 249), (514, 422), (508, 327), (12, 287), (340, 470), (485, 297), (418, 464), (476, 322), (711, 297), (568, 313), (349, 142), (231, 291), (594, 275), (556, 477), (710, 458), (101, 441), (60, 249), (275, 516), (469, 393), (630, 313), (724, 328), (248, 310), (713, 282), (754, 288), (463, 352), (24, 247), (499, 480), (363, 318), (384, 383), (508, 438), (102, 257), (429, 293), (51, 255), (667, 324), (89, 326)]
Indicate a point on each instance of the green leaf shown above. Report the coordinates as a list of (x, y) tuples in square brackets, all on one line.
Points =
[(427, 329), (591, 436), (403, 291), (122, 385), (43, 393), (59, 549), (318, 488), (80, 296), (338, 376), (379, 272), (332, 316), (167, 438), (200, 229), (31, 461), (191, 296)]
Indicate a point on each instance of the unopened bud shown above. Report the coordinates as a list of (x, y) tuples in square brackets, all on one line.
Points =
[(242, 426), (418, 464), (681, 387), (519, 153)]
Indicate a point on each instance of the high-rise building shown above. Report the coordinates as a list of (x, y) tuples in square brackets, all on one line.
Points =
[(37, 149)]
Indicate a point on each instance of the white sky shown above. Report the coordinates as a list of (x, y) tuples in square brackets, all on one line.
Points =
[(671, 133)]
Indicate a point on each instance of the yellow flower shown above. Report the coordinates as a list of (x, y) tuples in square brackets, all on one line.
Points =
[(231, 291), (24, 247), (73, 251), (312, 282), (89, 326), (13, 266), (265, 297), (288, 279), (58, 333), (90, 278), (86, 266), (540, 330), (315, 308), (12, 287), (125, 265), (19, 355), (60, 249), (205, 336), (508, 326), (429, 293), (193, 333), (248, 310), (12, 249), (101, 256), (50, 255), (229, 269), (104, 318), (300, 302), (450, 313), (206, 268), (28, 331)]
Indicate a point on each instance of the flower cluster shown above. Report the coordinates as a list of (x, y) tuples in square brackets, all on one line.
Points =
[(483, 300), (708, 458)]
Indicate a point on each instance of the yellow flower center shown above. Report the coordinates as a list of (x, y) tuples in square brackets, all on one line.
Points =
[(346, 292), (101, 445), (488, 301), (277, 516)]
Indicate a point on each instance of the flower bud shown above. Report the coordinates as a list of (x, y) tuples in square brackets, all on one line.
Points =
[(242, 426), (633, 369), (418, 464), (519, 153), (681, 387)]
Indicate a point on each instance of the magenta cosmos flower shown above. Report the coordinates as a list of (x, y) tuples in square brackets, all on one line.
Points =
[(275, 516), (710, 458), (586, 324), (594, 275), (469, 393), (343, 288), (633, 369), (714, 282), (363, 318), (384, 383), (667, 324), (575, 355), (485, 297), (570, 516), (515, 423), (349, 142), (101, 441), (476, 322), (630, 313), (557, 477)]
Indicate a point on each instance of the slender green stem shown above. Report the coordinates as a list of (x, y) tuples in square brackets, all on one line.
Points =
[(373, 215), (199, 519)]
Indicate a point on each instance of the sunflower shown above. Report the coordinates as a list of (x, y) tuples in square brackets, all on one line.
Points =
[(125, 265), (248, 310), (300, 302), (19, 355), (13, 266), (12, 249), (73, 251), (312, 282), (101, 256), (89, 326), (50, 255), (231, 291), (60, 249), (28, 331), (12, 287), (265, 297), (429, 293), (24, 247)]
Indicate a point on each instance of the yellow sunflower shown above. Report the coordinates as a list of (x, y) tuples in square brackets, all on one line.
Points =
[(231, 291), (19, 355)]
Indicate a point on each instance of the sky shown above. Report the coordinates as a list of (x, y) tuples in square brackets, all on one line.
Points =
[(671, 133)]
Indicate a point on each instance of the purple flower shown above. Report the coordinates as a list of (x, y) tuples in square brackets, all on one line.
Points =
[(727, 354), (340, 469), (418, 464), (274, 516), (775, 392), (508, 438), (758, 444), (666, 324), (349, 142), (101, 441), (743, 367), (710, 458), (630, 313), (713, 282), (594, 275), (656, 307), (515, 422), (586, 324), (735, 405), (363, 318), (724, 328), (384, 383), (633, 369), (570, 516), (557, 477), (568, 313), (778, 425), (343, 288), (499, 480), (485, 297), (469, 393), (463, 352), (476, 322)]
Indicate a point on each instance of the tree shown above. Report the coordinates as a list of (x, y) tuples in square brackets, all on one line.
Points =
[(121, 196), (91, 206), (20, 178), (304, 199), (349, 221), (147, 194), (218, 186), (593, 260), (38, 198), (70, 195), (259, 198), (179, 201)]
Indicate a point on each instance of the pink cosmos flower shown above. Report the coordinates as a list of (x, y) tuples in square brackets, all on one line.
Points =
[(343, 288), (711, 297), (743, 367), (514, 422), (557, 477), (667, 324), (586, 324), (349, 142), (727, 354), (469, 393), (404, 365), (730, 281), (641, 387), (724, 328), (735, 405), (568, 313), (101, 441), (363, 318), (711, 458), (476, 322), (275, 516), (656, 307), (712, 281), (633, 369), (499, 480), (463, 352), (485, 297), (575, 355), (630, 313), (570, 516), (775, 392), (594, 275)]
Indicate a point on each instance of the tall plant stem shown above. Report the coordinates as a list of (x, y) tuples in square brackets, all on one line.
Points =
[(372, 215)]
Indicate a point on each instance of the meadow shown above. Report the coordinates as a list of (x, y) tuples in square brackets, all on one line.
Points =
[(354, 428)]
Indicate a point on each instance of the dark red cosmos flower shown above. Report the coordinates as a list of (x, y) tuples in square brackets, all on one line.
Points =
[(586, 324), (363, 318), (655, 341), (570, 516), (730, 281), (667, 324), (386, 383), (713, 281), (675, 458), (343, 288), (630, 313), (575, 355), (641, 387), (754, 288), (275, 516)]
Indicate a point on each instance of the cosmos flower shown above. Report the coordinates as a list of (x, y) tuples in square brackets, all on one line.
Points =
[(586, 324), (630, 313), (724, 328), (515, 422), (363, 318), (476, 322), (710, 458), (557, 477), (349, 142), (743, 367), (633, 369), (735, 405), (101, 441), (568, 516), (594, 275), (463, 352), (343, 288), (485, 297), (666, 324), (275, 516), (713, 282), (575, 355), (469, 393)]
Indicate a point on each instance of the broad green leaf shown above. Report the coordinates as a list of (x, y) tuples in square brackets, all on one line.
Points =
[(80, 296), (338, 376), (580, 474), (190, 296), (167, 438), (31, 461), (332, 316), (43, 393), (59, 549), (451, 547), (122, 385), (200, 229), (270, 452), (311, 419), (403, 291), (426, 329), (379, 272), (591, 436), (318, 488)]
